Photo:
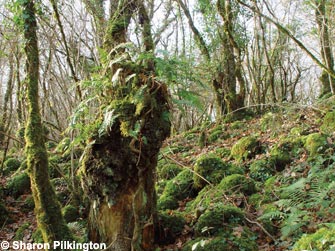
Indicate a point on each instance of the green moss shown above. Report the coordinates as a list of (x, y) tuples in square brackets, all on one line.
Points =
[(237, 183), (181, 186), (245, 148), (18, 185), (168, 171), (11, 165), (239, 240), (29, 204), (20, 232), (170, 226), (222, 152), (261, 170), (280, 155), (315, 143), (255, 200), (217, 219), (328, 124), (70, 213), (167, 202), (321, 240), (210, 167), (37, 236)]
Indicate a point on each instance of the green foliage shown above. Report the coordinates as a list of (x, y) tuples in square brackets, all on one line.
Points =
[(261, 170), (20, 232), (215, 220), (237, 183), (239, 239), (321, 240), (18, 185), (245, 148), (70, 213), (308, 198), (11, 165)]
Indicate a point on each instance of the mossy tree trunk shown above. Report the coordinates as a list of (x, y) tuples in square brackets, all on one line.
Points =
[(118, 171), (226, 82), (47, 208), (327, 81)]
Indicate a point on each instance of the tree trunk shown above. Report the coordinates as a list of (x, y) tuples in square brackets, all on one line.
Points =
[(328, 82), (118, 171), (47, 208)]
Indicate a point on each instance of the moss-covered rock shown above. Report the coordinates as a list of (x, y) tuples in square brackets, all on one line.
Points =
[(246, 147), (62, 190), (11, 165), (316, 143), (217, 219), (179, 188), (210, 167), (167, 202), (328, 124), (168, 171), (70, 213), (237, 183), (321, 240), (240, 238), (18, 185), (285, 151), (170, 226), (261, 170)]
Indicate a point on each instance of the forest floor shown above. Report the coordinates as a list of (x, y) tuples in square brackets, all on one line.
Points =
[(266, 181)]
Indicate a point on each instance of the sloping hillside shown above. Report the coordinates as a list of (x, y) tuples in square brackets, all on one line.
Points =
[(258, 183)]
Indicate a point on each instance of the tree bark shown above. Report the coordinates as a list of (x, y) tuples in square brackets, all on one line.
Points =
[(328, 82), (47, 209), (118, 171)]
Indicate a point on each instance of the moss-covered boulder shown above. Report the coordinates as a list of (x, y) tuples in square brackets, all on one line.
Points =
[(217, 219), (328, 124), (18, 185), (240, 238), (261, 170), (280, 156), (316, 143), (168, 171), (246, 147), (209, 167), (170, 225), (11, 165), (70, 213), (179, 188), (321, 240), (237, 183)]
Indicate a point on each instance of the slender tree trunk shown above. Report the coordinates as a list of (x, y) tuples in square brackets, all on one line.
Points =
[(47, 208), (328, 82)]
